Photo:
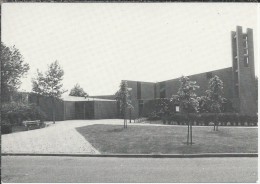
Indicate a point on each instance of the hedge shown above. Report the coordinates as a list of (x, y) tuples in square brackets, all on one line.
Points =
[(6, 128), (154, 116), (206, 118), (15, 112)]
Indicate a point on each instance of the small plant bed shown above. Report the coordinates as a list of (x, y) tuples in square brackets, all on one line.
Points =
[(111, 139)]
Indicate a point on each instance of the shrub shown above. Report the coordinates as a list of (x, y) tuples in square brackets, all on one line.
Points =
[(180, 118), (207, 118), (6, 128), (254, 120), (15, 112), (154, 116), (227, 117)]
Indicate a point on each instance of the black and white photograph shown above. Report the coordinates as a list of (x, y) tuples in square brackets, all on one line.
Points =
[(129, 92)]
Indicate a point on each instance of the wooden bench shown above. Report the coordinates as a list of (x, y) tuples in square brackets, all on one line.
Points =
[(32, 124)]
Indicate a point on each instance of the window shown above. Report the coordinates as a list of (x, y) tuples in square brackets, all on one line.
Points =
[(245, 51), (162, 90), (138, 90), (209, 75), (177, 108), (246, 61)]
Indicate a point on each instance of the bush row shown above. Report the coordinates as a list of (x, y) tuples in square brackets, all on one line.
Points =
[(206, 118), (15, 113)]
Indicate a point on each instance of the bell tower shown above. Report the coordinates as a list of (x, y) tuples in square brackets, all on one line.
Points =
[(244, 85)]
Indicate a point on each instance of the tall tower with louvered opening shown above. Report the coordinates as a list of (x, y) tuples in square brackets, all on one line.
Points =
[(244, 88)]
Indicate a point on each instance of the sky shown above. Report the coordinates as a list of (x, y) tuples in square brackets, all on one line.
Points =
[(100, 44)]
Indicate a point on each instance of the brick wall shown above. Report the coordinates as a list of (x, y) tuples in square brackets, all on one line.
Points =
[(105, 109), (69, 110), (147, 90), (172, 86)]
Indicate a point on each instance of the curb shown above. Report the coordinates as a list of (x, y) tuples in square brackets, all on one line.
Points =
[(138, 155)]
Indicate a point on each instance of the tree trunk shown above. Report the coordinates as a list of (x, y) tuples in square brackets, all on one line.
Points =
[(53, 110), (130, 115), (191, 134), (188, 132), (125, 117)]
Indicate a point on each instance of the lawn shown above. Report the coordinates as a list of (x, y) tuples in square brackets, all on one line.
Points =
[(138, 139)]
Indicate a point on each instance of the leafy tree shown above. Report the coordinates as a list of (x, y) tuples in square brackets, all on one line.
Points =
[(122, 96), (203, 104), (188, 101), (164, 109), (12, 69), (49, 84), (214, 95), (78, 91)]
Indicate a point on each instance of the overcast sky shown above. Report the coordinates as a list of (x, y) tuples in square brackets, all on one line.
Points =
[(98, 45)]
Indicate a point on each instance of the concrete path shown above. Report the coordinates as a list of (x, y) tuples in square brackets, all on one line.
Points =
[(61, 137), (128, 170)]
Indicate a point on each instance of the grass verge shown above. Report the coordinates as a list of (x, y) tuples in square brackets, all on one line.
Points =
[(138, 139)]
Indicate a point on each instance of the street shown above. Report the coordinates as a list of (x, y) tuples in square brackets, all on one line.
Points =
[(113, 170)]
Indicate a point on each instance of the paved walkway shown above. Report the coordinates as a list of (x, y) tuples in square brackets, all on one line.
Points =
[(61, 137)]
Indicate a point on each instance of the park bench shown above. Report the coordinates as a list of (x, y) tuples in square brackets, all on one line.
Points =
[(32, 124)]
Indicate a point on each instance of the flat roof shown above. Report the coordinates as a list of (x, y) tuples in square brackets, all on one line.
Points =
[(83, 99)]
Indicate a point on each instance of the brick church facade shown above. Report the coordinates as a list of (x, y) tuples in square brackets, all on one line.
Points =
[(239, 80)]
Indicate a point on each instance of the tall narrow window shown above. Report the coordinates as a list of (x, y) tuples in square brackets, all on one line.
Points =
[(138, 90), (246, 61), (246, 51), (162, 90)]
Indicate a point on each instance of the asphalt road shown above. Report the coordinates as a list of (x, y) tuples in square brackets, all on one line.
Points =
[(92, 169)]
